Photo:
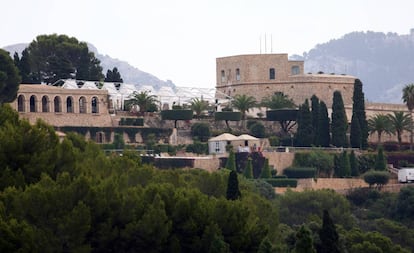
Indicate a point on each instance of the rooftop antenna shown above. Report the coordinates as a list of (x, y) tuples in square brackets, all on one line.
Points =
[(271, 43), (260, 41)]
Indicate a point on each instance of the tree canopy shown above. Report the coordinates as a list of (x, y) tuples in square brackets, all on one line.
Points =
[(54, 57), (113, 76), (339, 123), (9, 78)]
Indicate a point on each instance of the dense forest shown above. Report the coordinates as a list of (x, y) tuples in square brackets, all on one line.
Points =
[(69, 196)]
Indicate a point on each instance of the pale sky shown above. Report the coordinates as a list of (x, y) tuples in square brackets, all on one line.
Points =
[(180, 39)]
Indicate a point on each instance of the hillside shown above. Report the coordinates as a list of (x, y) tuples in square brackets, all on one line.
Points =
[(129, 73), (383, 62)]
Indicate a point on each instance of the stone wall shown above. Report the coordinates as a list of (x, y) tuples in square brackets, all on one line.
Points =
[(279, 160), (337, 184)]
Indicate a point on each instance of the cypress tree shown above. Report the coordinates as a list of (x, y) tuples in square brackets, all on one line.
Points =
[(339, 121), (266, 170), (304, 134), (248, 171), (315, 117), (328, 235), (358, 109), (380, 160), (356, 135), (233, 191), (324, 137), (346, 164), (343, 167), (231, 161), (353, 162)]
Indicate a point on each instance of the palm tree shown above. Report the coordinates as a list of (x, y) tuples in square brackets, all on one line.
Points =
[(198, 106), (408, 98), (379, 123), (243, 103), (278, 101), (400, 122), (143, 99)]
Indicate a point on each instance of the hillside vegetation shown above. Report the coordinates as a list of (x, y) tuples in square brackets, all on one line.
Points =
[(70, 197)]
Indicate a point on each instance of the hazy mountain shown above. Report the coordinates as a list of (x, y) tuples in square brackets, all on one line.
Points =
[(129, 73), (383, 62)]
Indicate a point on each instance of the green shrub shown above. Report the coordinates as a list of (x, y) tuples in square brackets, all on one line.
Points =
[(378, 178), (201, 131), (300, 172), (274, 141), (282, 182), (197, 148), (320, 160), (250, 123), (258, 130)]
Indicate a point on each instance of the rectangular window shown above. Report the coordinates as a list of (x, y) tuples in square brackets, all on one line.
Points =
[(237, 74), (217, 146), (272, 73), (223, 76), (295, 70)]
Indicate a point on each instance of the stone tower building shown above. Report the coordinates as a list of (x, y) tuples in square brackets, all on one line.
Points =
[(261, 75)]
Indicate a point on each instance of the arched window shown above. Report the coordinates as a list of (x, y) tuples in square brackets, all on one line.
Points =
[(94, 103), (295, 70), (69, 105), (45, 104), (272, 73), (21, 103), (33, 103), (82, 105), (100, 137), (57, 102), (237, 74), (223, 76)]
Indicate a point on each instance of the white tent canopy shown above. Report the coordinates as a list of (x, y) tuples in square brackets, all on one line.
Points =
[(119, 92)]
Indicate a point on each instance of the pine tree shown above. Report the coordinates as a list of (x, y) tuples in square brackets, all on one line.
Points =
[(231, 161), (339, 121), (248, 171), (304, 134), (353, 162), (9, 78), (266, 170), (324, 137), (304, 241), (233, 191), (380, 160), (358, 109), (328, 235), (315, 117), (356, 135)]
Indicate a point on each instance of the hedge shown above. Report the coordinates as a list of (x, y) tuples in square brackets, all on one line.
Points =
[(282, 114), (176, 114), (230, 116), (131, 122), (172, 163), (283, 182), (300, 172)]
